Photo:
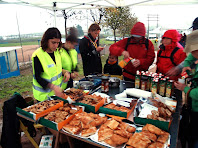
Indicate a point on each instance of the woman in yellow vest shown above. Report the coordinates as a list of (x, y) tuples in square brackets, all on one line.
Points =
[(47, 66), (69, 59)]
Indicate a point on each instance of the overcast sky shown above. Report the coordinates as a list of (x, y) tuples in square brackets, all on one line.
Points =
[(35, 20)]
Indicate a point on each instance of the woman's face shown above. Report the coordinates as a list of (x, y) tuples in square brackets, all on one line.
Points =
[(166, 41), (53, 45), (195, 54), (95, 34)]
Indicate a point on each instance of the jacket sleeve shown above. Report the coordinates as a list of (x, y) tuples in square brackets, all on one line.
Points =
[(193, 93), (146, 62), (189, 60), (117, 48), (179, 57)]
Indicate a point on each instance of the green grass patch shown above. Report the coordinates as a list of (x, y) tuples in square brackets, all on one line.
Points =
[(20, 84), (103, 41)]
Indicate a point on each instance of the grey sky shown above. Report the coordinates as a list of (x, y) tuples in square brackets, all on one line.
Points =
[(33, 19)]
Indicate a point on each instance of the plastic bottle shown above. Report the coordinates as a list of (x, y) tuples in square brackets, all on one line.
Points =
[(137, 79)]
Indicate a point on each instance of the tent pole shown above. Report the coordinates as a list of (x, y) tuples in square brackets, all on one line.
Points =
[(54, 18), (19, 37)]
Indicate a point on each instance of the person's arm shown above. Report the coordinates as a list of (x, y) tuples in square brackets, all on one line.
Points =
[(38, 69), (118, 47), (148, 60), (189, 60)]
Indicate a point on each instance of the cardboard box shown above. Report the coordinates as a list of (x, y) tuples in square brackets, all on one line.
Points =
[(164, 125), (34, 116), (57, 126), (141, 118), (114, 112), (90, 108)]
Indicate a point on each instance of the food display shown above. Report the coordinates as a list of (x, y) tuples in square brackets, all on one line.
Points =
[(62, 113), (85, 124), (40, 107), (115, 132), (75, 94), (91, 99), (150, 136), (117, 107)]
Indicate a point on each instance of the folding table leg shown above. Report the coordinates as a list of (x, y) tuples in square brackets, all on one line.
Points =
[(24, 129)]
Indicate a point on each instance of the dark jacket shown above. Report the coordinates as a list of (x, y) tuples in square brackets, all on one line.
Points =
[(10, 137), (90, 57), (112, 69)]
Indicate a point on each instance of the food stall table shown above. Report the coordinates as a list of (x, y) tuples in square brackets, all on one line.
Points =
[(174, 128)]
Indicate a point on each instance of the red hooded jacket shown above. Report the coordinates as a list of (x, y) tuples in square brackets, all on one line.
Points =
[(165, 64), (136, 51)]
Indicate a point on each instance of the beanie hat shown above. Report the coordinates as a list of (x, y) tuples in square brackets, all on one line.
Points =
[(192, 42), (195, 24), (172, 34), (138, 29)]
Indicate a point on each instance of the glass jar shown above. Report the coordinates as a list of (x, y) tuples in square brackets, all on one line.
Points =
[(105, 84)]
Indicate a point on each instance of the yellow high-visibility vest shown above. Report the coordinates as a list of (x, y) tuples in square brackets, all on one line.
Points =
[(52, 73), (69, 62)]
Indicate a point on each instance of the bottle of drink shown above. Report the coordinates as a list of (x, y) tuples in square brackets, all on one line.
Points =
[(162, 87), (144, 80), (137, 79), (169, 88), (154, 86)]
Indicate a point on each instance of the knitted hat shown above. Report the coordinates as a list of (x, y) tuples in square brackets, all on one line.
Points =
[(195, 24)]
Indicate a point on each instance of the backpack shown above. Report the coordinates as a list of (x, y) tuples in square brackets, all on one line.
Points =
[(128, 43), (171, 56)]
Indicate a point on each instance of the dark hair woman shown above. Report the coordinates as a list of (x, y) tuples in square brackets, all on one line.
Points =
[(47, 66)]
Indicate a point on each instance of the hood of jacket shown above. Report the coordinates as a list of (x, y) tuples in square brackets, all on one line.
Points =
[(138, 29), (172, 34)]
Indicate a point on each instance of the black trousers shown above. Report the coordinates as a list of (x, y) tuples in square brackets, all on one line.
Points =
[(193, 128)]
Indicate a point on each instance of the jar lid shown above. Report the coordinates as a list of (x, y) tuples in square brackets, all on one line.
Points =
[(105, 78)]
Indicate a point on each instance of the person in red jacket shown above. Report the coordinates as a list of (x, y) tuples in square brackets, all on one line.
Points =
[(136, 47), (170, 54)]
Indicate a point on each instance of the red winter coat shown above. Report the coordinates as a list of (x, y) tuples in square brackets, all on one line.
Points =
[(137, 51), (165, 64)]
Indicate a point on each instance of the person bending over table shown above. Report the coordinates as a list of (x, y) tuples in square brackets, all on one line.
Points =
[(47, 66)]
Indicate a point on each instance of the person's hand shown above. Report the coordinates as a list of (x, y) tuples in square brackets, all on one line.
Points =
[(179, 85), (186, 68), (99, 48), (173, 71), (66, 76), (136, 63), (74, 75), (57, 90), (125, 54)]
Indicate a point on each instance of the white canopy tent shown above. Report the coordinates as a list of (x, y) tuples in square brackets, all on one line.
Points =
[(92, 4)]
